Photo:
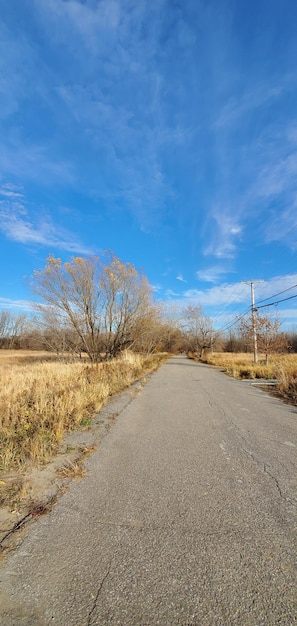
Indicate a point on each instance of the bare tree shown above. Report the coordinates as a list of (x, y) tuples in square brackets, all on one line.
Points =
[(128, 305), (291, 337), (56, 333), (103, 303), (269, 337), (12, 327), (5, 321), (199, 329), (159, 332), (72, 291)]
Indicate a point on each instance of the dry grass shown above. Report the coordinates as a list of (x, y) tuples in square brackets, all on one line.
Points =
[(13, 491), (72, 470), (25, 357), (282, 368), (42, 399)]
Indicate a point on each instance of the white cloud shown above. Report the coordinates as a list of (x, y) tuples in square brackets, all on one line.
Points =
[(236, 108), (212, 274), (110, 110), (225, 234), (89, 20), (22, 305), (170, 293), (17, 225), (288, 315), (215, 296), (181, 278), (239, 293), (255, 165)]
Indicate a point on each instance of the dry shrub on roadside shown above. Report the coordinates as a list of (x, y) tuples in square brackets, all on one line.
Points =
[(288, 383)]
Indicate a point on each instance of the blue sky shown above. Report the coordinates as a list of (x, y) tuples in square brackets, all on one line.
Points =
[(164, 130)]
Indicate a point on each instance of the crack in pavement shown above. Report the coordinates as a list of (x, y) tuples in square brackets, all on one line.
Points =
[(89, 622), (286, 498), (261, 464), (14, 528)]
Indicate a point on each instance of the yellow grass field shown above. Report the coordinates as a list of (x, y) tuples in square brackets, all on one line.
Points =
[(281, 368), (41, 398)]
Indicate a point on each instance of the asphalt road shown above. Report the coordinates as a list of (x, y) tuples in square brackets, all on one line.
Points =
[(187, 516)]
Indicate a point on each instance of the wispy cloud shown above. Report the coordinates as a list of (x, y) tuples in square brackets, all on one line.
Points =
[(212, 274), (215, 296), (254, 154), (225, 233), (114, 111), (20, 305), (236, 109), (18, 225), (238, 295)]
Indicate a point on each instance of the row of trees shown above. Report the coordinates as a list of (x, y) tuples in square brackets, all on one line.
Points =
[(12, 329), (101, 306), (270, 339)]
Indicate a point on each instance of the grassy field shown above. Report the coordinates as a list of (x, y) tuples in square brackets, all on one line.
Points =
[(42, 398), (281, 368)]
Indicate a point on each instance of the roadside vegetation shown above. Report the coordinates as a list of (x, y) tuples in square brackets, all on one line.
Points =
[(43, 399), (281, 369)]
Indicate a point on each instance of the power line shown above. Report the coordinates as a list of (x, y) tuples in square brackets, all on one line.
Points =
[(228, 304), (263, 306), (276, 294), (232, 301), (236, 319)]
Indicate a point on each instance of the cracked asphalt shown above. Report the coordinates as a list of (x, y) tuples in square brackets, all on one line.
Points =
[(187, 516)]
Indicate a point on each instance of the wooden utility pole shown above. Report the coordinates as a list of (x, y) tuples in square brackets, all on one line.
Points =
[(254, 325)]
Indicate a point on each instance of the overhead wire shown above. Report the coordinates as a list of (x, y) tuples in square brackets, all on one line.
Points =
[(232, 323), (276, 294), (233, 300), (275, 303), (230, 305), (258, 305)]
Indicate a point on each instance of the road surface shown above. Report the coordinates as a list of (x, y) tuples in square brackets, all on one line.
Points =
[(187, 516)]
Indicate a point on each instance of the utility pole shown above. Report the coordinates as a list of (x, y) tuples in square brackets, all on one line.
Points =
[(254, 325)]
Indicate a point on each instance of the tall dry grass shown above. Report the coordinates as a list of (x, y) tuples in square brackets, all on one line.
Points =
[(281, 368), (41, 400)]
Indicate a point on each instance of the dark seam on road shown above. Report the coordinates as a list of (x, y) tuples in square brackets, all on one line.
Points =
[(16, 526), (276, 483), (97, 595)]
